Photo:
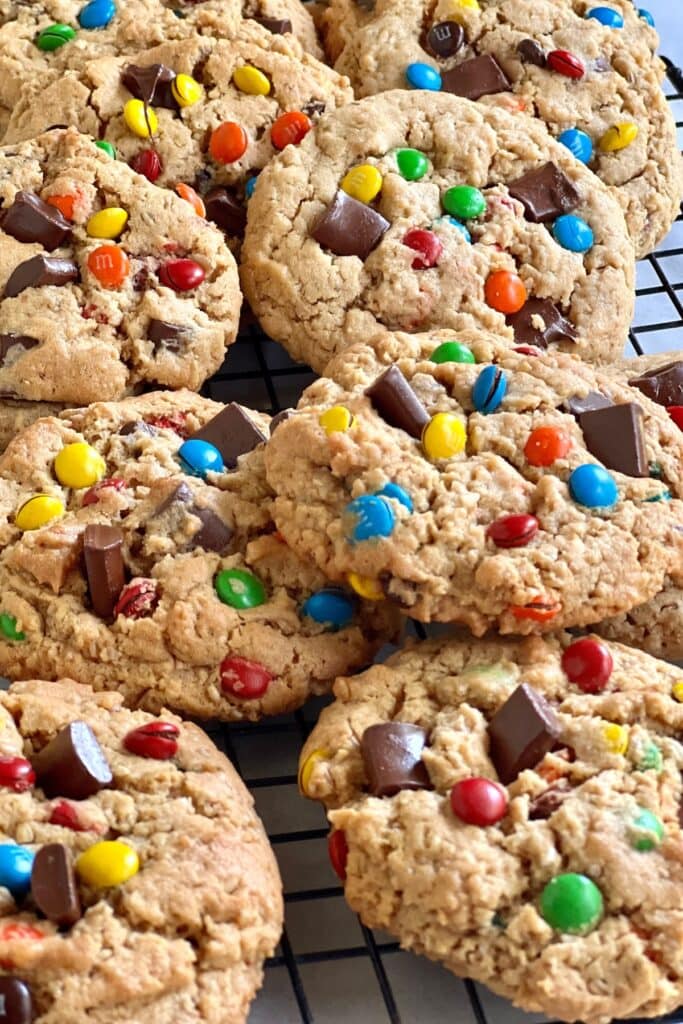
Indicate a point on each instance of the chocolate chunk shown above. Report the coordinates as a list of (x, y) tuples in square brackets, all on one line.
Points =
[(556, 328), (172, 337), (38, 272), (521, 733), (549, 801), (545, 193), (589, 403), (16, 1001), (137, 427), (663, 385), (232, 432), (397, 403), (151, 84), (7, 343), (214, 534), (227, 212), (316, 108), (278, 26), (73, 764), (349, 227), (480, 76), (602, 64), (104, 567), (53, 886), (281, 417), (392, 754), (29, 219), (181, 495), (615, 436), (444, 39), (531, 52)]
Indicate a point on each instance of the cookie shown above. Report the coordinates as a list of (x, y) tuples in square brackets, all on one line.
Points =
[(107, 282), (137, 880), (219, 110), (512, 810), (414, 211), (587, 71), (469, 483), (137, 546), (16, 415)]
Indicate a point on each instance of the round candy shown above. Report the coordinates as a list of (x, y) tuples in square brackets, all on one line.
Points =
[(38, 511), (54, 36), (307, 767), (542, 609), (290, 129), (465, 5), (242, 678), (593, 486), (228, 143), (412, 164), (616, 738), (186, 90), (565, 63), (140, 119), (427, 246), (107, 864), (65, 815), (422, 76), (645, 831), (240, 589), (187, 193), (8, 628), (156, 740), (107, 148), (677, 691), (619, 136), (588, 663), (147, 162), (363, 183), (92, 496), (646, 16), (16, 863), (336, 420), (250, 186), (138, 600), (109, 265), (505, 291), (182, 275), (200, 457), (330, 607), (365, 587), (578, 143), (571, 903), (573, 233), (489, 389), (250, 80), (606, 16), (370, 516), (444, 436), (17, 774), (460, 227), (515, 531), (651, 759), (394, 491), (79, 465), (479, 801), (464, 202), (65, 205), (97, 14), (546, 445), (338, 851), (452, 352)]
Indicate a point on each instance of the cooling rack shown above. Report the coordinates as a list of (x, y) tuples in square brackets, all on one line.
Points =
[(329, 968)]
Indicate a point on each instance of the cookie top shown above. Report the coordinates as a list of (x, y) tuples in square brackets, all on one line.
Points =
[(107, 281), (470, 483), (137, 545), (202, 112), (586, 70), (105, 814), (512, 809), (414, 211)]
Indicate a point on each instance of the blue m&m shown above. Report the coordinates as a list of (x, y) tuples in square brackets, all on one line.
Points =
[(250, 186), (330, 607), (646, 16), (97, 14), (593, 486), (370, 516), (489, 389), (16, 864), (578, 143), (422, 76), (460, 227), (606, 16), (397, 492), (199, 458), (573, 233)]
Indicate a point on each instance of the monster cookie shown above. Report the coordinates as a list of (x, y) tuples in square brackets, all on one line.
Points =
[(16, 415), (137, 881), (512, 810), (202, 115), (137, 548), (471, 483), (107, 281), (414, 211), (586, 70)]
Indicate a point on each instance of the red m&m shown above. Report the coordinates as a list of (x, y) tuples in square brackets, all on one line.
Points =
[(338, 851), (148, 163), (157, 740), (565, 63), (427, 246), (479, 801), (514, 531), (243, 678), (181, 275), (93, 495), (16, 773), (588, 663)]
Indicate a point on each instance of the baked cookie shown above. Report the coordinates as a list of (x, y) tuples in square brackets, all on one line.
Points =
[(107, 282), (16, 415), (137, 548), (204, 113), (414, 211), (587, 71), (470, 483), (512, 810), (137, 881)]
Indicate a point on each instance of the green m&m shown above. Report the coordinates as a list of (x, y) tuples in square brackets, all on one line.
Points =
[(464, 202), (54, 36), (452, 352), (239, 588), (645, 831), (8, 628), (107, 148), (571, 903), (412, 164)]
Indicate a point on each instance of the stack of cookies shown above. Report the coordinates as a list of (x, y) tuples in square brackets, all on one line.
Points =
[(442, 221)]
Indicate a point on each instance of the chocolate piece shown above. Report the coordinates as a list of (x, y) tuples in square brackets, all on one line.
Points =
[(589, 403), (397, 403), (545, 193), (53, 886), (549, 801), (615, 436), (137, 427), (16, 1002), (480, 76), (556, 328), (29, 219), (316, 108), (73, 764), (39, 271), (663, 385), (104, 567), (531, 52), (213, 535), (521, 733), (151, 84), (601, 64), (7, 343), (392, 754), (232, 432), (349, 227), (226, 211), (182, 494), (172, 337), (281, 417), (278, 26), (444, 39)]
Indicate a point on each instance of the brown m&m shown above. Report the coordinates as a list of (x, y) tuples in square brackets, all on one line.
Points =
[(521, 733), (445, 39), (392, 755), (72, 764)]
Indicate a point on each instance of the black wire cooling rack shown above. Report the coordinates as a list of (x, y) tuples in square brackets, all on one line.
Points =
[(329, 968)]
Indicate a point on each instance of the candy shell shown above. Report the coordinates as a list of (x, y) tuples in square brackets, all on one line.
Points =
[(593, 486), (573, 233), (578, 143), (97, 14), (330, 607), (423, 76), (199, 458)]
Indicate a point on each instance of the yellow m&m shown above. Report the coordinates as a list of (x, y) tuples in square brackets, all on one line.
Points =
[(366, 587), (336, 420), (362, 183), (250, 80), (38, 511), (140, 119), (186, 90), (107, 864), (444, 436), (307, 768), (108, 223), (616, 738), (457, 7), (619, 136), (677, 691), (79, 465)]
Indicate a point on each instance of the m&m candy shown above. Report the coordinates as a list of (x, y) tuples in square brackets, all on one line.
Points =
[(464, 202), (423, 76), (412, 164), (242, 678), (606, 16), (571, 903), (396, 492), (578, 143), (369, 518), (228, 143), (107, 864), (646, 16), (17, 774), (545, 445), (8, 628), (588, 663), (427, 246), (479, 801), (452, 352), (16, 863), (182, 275), (54, 36), (514, 531), (330, 607), (646, 831), (290, 129), (79, 465), (565, 63), (336, 420), (156, 740), (200, 457), (148, 163), (593, 486), (38, 511), (573, 233), (109, 265), (505, 291), (140, 119), (489, 389), (107, 148), (186, 90), (250, 80), (338, 852), (363, 182), (240, 589), (619, 136), (444, 436), (97, 14)]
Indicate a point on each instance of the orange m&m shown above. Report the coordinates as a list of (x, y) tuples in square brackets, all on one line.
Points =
[(290, 129), (65, 205), (187, 193), (228, 143), (109, 265), (541, 609), (505, 291), (546, 445)]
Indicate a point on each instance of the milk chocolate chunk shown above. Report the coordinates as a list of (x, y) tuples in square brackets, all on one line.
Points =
[(529, 330), (545, 193), (29, 219), (444, 39), (172, 337), (480, 76), (392, 754), (73, 764), (278, 26), (531, 52), (349, 227), (104, 567), (578, 405), (521, 733), (16, 1001), (232, 432), (614, 435), (181, 495), (53, 886), (151, 84), (663, 385), (227, 212), (397, 403), (549, 801), (10, 341), (137, 427), (213, 535), (279, 418), (39, 271)]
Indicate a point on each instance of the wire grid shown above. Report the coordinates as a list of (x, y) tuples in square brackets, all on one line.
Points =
[(329, 968)]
